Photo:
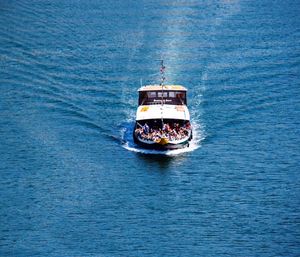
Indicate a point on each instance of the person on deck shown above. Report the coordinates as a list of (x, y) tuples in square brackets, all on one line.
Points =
[(146, 129)]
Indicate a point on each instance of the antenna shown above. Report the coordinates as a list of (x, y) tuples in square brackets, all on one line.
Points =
[(163, 78), (162, 72)]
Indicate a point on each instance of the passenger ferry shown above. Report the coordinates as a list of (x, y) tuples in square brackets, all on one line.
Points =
[(162, 117)]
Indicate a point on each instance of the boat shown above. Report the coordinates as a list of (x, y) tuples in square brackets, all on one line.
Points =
[(162, 117)]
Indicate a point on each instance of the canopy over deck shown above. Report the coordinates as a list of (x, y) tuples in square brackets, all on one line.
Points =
[(166, 111)]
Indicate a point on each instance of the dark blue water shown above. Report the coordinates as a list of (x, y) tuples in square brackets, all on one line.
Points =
[(73, 184)]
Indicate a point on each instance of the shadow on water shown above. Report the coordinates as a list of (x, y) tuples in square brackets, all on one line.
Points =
[(160, 160), (163, 162)]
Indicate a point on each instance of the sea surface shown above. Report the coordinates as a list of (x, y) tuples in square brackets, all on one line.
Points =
[(72, 182)]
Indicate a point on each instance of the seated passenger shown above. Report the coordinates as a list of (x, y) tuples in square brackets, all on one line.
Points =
[(166, 127), (138, 131), (188, 125)]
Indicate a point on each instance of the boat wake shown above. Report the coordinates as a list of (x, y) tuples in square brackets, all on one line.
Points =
[(128, 143)]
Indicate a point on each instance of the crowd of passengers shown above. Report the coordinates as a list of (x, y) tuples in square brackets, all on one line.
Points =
[(173, 132)]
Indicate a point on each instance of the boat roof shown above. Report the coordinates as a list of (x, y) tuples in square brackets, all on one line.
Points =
[(165, 87)]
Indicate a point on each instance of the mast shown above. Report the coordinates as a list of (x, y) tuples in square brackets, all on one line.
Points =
[(162, 80)]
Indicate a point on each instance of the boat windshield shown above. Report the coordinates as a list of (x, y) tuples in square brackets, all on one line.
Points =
[(168, 97)]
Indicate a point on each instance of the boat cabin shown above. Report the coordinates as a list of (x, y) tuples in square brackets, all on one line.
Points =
[(173, 95)]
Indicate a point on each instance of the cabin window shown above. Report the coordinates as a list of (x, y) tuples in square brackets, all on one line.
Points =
[(171, 94), (151, 94), (159, 94)]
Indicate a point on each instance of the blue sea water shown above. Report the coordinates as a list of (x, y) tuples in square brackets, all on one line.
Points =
[(72, 183)]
